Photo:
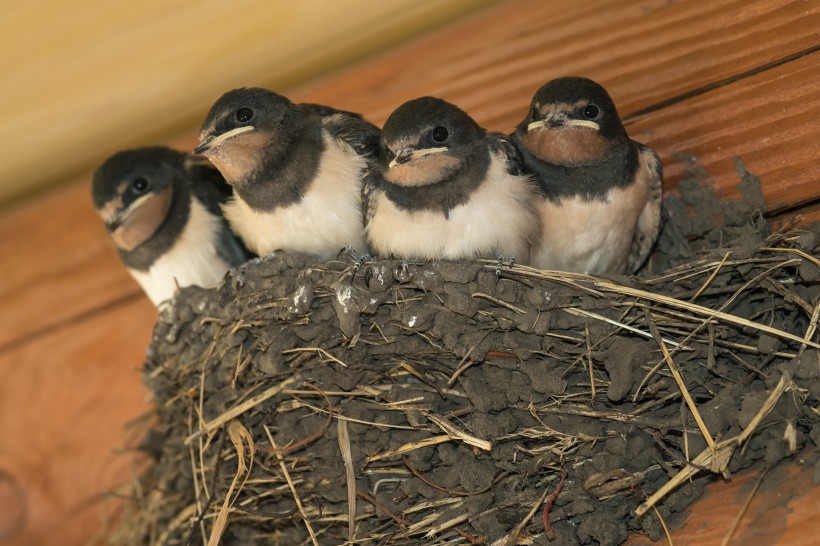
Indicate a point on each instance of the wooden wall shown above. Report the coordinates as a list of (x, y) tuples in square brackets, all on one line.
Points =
[(707, 84), (84, 78)]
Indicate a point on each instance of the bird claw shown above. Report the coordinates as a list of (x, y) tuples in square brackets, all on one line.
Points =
[(360, 261), (500, 265), (402, 272), (239, 274)]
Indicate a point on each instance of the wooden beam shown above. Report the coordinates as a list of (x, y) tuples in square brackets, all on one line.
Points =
[(63, 403), (84, 79), (703, 83), (764, 124)]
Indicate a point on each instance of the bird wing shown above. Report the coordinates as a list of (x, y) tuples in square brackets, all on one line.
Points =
[(359, 134), (650, 171), (503, 144), (207, 183), (371, 180)]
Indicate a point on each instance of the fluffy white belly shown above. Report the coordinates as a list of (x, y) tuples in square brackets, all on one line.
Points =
[(589, 236), (326, 220), (497, 219), (193, 260)]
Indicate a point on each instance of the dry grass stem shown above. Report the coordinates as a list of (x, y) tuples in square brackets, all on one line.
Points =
[(717, 459), (239, 436), (742, 511), (235, 412), (326, 355), (454, 433), (408, 447), (711, 278), (682, 386), (350, 477), (283, 467), (457, 393), (665, 528)]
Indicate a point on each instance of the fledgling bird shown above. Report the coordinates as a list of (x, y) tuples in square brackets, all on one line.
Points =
[(296, 171), (161, 208), (445, 188), (600, 203)]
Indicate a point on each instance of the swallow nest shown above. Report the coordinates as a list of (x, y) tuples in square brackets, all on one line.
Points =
[(392, 403)]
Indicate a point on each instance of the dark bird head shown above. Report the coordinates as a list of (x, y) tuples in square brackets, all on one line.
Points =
[(571, 121), (133, 191), (428, 140), (246, 127)]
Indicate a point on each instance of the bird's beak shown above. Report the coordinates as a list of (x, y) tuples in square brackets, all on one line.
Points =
[(409, 154), (210, 143), (113, 220), (582, 123), (561, 120)]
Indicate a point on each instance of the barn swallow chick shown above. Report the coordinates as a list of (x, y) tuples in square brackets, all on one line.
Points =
[(296, 171), (162, 211), (446, 189), (600, 203)]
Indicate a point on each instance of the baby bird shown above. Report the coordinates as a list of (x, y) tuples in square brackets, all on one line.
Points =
[(600, 191), (445, 189), (162, 211), (296, 171)]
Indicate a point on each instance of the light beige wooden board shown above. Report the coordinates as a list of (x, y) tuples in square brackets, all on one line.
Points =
[(83, 78)]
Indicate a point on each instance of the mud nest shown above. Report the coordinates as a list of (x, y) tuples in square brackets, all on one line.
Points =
[(471, 404)]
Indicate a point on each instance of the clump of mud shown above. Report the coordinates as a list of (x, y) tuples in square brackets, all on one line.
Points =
[(449, 402)]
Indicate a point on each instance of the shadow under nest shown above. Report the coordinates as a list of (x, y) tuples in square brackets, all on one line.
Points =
[(445, 403)]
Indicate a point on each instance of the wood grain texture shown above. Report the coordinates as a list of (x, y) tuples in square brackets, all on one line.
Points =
[(56, 263), (84, 79), (645, 52), (782, 512), (63, 403), (690, 66), (766, 123), (703, 83)]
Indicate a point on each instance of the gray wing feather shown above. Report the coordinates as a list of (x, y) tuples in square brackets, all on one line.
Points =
[(649, 221), (349, 127), (502, 143), (210, 187), (370, 182)]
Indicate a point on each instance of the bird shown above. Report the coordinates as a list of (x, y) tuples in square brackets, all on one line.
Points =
[(296, 171), (444, 188), (161, 208), (600, 191)]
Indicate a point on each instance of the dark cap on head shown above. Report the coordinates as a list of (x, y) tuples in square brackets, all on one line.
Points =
[(585, 98), (261, 108), (142, 170), (429, 122)]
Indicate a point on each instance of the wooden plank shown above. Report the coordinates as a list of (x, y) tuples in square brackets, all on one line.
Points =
[(645, 52), (90, 80), (804, 215), (539, 40), (56, 263), (767, 121), (782, 513), (63, 404)]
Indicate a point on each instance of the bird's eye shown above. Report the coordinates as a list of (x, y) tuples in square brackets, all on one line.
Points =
[(244, 115), (591, 111), (534, 112), (140, 185), (440, 134)]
